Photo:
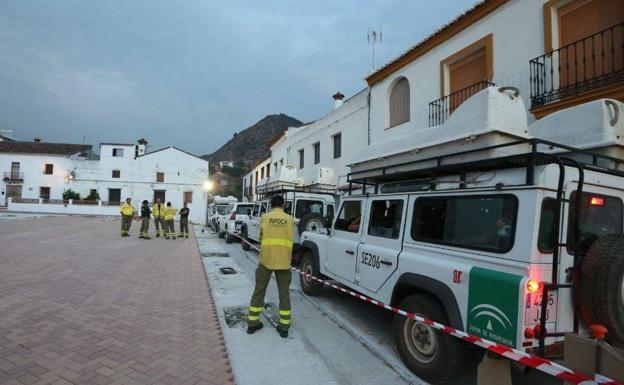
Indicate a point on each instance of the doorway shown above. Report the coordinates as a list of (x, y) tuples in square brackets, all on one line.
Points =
[(159, 194), (114, 195), (13, 191)]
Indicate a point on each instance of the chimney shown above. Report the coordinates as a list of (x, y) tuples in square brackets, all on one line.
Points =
[(140, 148), (338, 99)]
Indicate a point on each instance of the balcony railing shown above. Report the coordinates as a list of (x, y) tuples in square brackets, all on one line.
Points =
[(13, 176), (589, 64), (441, 109)]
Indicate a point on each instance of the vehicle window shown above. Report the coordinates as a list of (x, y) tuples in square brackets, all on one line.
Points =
[(288, 207), (414, 185), (330, 211), (305, 206), (600, 215), (349, 217), (222, 209), (544, 237), (474, 222), (255, 210), (385, 218), (263, 208), (242, 209)]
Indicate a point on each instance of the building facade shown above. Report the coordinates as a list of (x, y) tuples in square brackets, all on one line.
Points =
[(251, 178), (39, 173)]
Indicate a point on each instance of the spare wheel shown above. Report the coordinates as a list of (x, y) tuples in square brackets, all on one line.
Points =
[(311, 222)]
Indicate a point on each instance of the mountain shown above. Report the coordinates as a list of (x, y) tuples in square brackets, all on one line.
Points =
[(251, 144)]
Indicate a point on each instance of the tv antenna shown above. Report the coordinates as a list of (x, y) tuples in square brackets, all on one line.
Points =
[(374, 37)]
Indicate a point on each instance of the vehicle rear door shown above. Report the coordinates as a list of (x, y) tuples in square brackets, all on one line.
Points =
[(343, 244), (381, 241)]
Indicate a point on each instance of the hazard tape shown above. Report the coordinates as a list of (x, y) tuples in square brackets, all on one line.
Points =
[(524, 358)]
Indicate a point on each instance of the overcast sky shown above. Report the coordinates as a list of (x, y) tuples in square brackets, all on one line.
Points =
[(190, 73)]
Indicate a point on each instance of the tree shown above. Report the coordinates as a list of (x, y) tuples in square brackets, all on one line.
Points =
[(93, 196), (70, 194)]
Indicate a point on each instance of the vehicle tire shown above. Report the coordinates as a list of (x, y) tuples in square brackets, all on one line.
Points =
[(311, 222), (228, 238), (600, 289), (308, 285), (433, 355), (220, 233), (244, 239)]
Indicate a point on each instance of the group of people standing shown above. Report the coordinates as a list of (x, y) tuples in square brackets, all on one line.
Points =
[(163, 218)]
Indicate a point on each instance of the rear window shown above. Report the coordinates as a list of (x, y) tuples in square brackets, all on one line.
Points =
[(243, 209), (600, 215), (473, 222), (222, 209), (305, 206)]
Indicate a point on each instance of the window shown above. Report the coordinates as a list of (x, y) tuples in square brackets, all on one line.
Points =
[(275, 167), (188, 197), (545, 238), (243, 209), (15, 170), (160, 177), (268, 167), (116, 174), (330, 211), (349, 217), (385, 218), (256, 177), (114, 195), (473, 222), (317, 152), (118, 152), (301, 159), (288, 207), (44, 192), (49, 169), (262, 173), (159, 194), (281, 162), (305, 206), (337, 146), (600, 215), (399, 103)]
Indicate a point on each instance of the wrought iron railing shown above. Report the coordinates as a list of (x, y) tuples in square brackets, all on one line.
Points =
[(441, 109), (11, 176), (589, 64)]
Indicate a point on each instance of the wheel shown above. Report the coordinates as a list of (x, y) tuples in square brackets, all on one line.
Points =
[(309, 286), (220, 233), (228, 238), (431, 354), (244, 240), (311, 222), (600, 289)]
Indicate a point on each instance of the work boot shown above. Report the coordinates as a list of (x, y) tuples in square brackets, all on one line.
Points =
[(254, 328), (141, 237), (282, 333), (147, 237)]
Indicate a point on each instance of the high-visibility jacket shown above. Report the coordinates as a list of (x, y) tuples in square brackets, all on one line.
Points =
[(158, 210), (126, 209), (169, 213), (276, 239)]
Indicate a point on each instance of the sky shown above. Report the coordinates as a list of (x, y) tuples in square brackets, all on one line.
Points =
[(191, 73)]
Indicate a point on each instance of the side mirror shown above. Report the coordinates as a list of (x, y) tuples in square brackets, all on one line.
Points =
[(248, 211), (328, 221)]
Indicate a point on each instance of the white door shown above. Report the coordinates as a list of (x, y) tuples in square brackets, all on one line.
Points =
[(382, 235), (254, 224), (345, 237)]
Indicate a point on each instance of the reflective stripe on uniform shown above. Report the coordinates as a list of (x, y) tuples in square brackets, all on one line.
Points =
[(256, 309), (277, 242), (254, 318), (284, 321), (285, 312)]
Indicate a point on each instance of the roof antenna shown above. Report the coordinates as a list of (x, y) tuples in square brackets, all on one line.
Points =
[(374, 37)]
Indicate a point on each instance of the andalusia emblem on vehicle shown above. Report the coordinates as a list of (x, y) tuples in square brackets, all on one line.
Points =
[(493, 305)]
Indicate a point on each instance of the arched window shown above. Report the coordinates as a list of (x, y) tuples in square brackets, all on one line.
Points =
[(399, 103)]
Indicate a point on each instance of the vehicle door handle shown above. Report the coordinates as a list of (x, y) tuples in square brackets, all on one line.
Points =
[(386, 262), (350, 252)]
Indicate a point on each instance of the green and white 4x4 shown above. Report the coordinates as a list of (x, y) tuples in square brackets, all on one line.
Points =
[(475, 245)]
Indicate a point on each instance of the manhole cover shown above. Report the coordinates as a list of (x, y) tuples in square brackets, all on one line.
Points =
[(227, 270), (235, 316), (213, 254)]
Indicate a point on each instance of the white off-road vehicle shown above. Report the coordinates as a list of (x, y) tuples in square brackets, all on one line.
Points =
[(490, 230), (219, 209), (231, 223)]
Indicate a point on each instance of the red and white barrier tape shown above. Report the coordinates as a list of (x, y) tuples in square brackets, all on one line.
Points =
[(530, 360)]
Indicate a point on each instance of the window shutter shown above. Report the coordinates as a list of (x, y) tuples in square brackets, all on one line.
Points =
[(400, 103), (468, 70)]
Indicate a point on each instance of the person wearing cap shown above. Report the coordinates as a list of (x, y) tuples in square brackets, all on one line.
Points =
[(145, 220), (276, 244)]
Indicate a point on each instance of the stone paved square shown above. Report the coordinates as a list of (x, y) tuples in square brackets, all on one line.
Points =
[(81, 305)]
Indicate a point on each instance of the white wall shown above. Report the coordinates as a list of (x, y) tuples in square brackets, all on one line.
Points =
[(518, 36), (250, 180)]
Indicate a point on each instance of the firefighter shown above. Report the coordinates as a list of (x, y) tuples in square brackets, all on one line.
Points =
[(184, 213), (169, 215), (159, 216), (127, 211), (145, 220), (276, 244)]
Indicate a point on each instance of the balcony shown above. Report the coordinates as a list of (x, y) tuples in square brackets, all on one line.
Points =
[(441, 109), (13, 177), (590, 68)]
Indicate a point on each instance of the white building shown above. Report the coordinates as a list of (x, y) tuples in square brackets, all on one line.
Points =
[(255, 173), (36, 174)]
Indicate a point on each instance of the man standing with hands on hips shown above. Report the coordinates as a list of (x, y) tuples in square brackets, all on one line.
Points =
[(276, 244)]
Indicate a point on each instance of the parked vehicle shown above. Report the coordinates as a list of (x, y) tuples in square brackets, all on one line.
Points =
[(220, 209), (230, 224), (508, 237)]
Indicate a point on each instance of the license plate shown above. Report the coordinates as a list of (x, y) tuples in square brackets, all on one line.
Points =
[(533, 308)]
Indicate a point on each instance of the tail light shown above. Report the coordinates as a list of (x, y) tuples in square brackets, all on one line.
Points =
[(532, 286), (597, 201), (233, 216)]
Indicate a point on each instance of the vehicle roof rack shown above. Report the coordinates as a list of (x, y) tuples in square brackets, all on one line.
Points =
[(281, 188), (540, 152)]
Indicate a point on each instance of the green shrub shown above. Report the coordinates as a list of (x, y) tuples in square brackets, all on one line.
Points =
[(70, 194)]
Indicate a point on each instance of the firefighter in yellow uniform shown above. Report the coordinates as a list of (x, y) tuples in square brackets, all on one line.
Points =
[(158, 210), (169, 215), (276, 244), (127, 211)]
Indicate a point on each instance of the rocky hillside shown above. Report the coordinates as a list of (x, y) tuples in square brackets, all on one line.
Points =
[(250, 145)]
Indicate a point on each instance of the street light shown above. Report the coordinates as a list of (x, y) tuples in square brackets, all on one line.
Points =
[(208, 185)]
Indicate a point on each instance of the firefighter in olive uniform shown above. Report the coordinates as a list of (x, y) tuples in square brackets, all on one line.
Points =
[(184, 213), (169, 221), (276, 244), (145, 219), (159, 216), (127, 211)]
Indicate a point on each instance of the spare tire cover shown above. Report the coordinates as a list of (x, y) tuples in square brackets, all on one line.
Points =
[(311, 222)]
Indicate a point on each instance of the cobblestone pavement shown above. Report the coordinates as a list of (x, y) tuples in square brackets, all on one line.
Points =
[(81, 305)]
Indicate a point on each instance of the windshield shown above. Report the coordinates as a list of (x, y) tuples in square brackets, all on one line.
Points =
[(243, 209), (600, 215), (222, 209)]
